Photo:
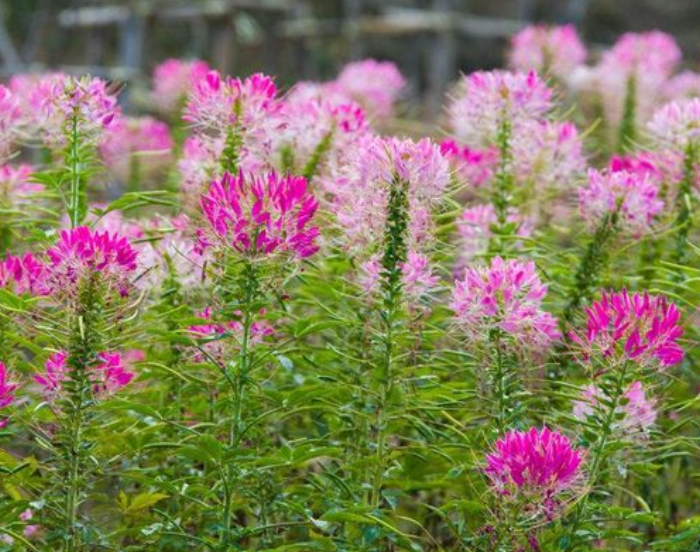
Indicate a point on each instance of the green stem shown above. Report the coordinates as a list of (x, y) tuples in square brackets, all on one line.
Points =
[(628, 129), (78, 202), (502, 382), (685, 203), (503, 189)]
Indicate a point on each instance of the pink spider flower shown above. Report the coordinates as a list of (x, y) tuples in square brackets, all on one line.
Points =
[(684, 85), (631, 197), (506, 295), (144, 140), (63, 99), (7, 392), (535, 468), (487, 98), (416, 273), (110, 374), (174, 80), (638, 414), (376, 85), (475, 228), (24, 274), (548, 50), (639, 328), (55, 373), (677, 124), (262, 214), (10, 121), (81, 253), (15, 186), (475, 166)]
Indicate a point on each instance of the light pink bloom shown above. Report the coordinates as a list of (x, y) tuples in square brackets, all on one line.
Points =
[(261, 215), (534, 468), (506, 295), (475, 228), (677, 124), (10, 121), (174, 80), (624, 327), (684, 85), (55, 373), (376, 85), (417, 276), (485, 99), (638, 413), (7, 392), (29, 530), (632, 196), (80, 253), (15, 186), (548, 50), (476, 167), (198, 166)]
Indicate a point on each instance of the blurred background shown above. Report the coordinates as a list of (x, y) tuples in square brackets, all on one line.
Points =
[(430, 40)]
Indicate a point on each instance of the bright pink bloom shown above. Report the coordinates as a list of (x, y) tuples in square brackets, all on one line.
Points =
[(111, 374), (677, 124), (548, 50), (80, 252), (7, 392), (23, 274), (475, 228), (485, 99), (476, 167), (174, 80), (55, 373), (638, 413), (632, 196), (10, 121), (261, 215), (534, 467), (417, 276), (375, 85), (506, 295), (640, 328), (144, 139)]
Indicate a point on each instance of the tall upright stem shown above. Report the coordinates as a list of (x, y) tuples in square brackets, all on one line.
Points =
[(685, 203), (503, 187)]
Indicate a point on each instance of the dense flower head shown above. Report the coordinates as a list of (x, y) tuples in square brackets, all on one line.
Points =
[(487, 98), (638, 413), (634, 327), (55, 373), (505, 295), (535, 467), (81, 253), (174, 79), (475, 228), (86, 100), (475, 166), (143, 136), (262, 214), (7, 392), (25, 274), (632, 197), (10, 121), (375, 85), (652, 51), (417, 276), (554, 50), (677, 124)]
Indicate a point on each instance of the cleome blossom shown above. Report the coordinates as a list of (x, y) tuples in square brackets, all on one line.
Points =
[(24, 274), (677, 124), (10, 121), (475, 167), (640, 328), (258, 215), (475, 227), (631, 197), (637, 415), (81, 254), (505, 296), (548, 50), (173, 80), (376, 85), (7, 392), (534, 468)]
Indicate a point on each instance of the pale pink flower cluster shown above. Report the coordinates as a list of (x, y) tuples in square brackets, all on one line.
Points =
[(61, 99), (640, 328), (30, 530), (638, 413), (475, 229), (647, 60), (215, 338), (505, 296), (548, 50), (80, 255), (485, 99), (376, 85), (16, 189), (417, 276), (684, 85), (109, 374), (7, 392), (10, 121), (198, 166), (677, 124), (630, 197), (258, 215), (534, 469), (475, 167), (24, 274), (174, 80), (142, 140)]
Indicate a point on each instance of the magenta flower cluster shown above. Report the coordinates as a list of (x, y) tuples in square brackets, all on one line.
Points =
[(7, 392)]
